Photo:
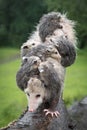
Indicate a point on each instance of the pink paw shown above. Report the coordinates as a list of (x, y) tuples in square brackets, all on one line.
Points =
[(55, 113)]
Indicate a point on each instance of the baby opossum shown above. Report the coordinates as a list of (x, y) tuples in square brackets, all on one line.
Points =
[(51, 78), (28, 69), (55, 24), (56, 29), (66, 50)]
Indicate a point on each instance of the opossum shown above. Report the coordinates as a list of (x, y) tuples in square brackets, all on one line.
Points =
[(36, 93), (55, 24), (29, 68), (57, 29), (52, 79), (41, 92)]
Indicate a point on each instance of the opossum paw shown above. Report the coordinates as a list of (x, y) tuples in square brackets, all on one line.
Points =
[(48, 112)]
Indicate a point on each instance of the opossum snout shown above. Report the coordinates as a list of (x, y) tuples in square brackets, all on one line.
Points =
[(31, 110)]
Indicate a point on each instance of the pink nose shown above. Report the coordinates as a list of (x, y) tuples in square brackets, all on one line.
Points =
[(31, 110)]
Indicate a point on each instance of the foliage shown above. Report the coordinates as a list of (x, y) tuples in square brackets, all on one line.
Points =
[(75, 80), (7, 54), (76, 10), (12, 100), (17, 19)]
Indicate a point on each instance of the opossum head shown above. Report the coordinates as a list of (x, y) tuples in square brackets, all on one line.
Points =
[(34, 61), (53, 53), (27, 46), (35, 93)]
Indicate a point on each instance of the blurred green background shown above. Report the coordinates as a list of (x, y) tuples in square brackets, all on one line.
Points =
[(17, 20)]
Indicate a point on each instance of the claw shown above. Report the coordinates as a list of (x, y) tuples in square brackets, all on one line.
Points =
[(55, 113)]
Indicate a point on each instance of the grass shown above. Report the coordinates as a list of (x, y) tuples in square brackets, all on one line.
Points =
[(76, 76), (13, 101), (7, 54)]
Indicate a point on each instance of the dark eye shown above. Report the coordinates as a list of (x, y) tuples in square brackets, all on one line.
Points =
[(25, 47), (51, 40), (33, 44), (60, 26), (56, 52), (38, 95), (48, 50), (25, 59), (35, 62)]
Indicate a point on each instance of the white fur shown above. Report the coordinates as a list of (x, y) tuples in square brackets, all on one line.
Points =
[(35, 87)]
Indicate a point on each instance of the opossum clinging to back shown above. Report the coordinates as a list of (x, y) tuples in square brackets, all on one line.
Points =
[(29, 68), (57, 29), (55, 24), (53, 82)]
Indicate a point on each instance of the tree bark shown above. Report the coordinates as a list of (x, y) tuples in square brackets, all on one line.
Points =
[(39, 121)]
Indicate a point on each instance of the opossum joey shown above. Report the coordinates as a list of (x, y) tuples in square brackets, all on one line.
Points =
[(28, 69), (53, 53), (34, 60), (51, 79)]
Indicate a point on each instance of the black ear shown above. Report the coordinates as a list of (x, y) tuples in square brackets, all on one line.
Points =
[(25, 47), (67, 51), (24, 50), (35, 61)]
